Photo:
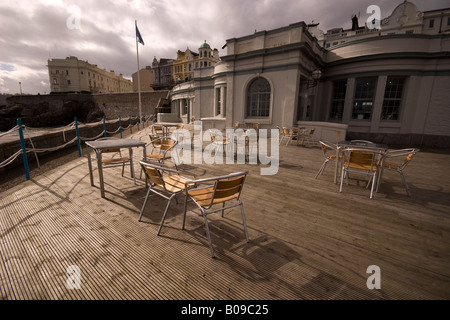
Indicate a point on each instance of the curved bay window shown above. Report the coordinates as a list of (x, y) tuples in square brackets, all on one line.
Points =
[(258, 99)]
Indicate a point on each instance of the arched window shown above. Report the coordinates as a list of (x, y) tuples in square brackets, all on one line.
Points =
[(258, 98)]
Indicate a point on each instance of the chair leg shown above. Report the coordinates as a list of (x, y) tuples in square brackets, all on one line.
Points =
[(343, 172), (405, 184), (223, 211), (143, 206), (245, 223), (374, 178), (165, 213), (322, 169), (184, 215), (207, 233)]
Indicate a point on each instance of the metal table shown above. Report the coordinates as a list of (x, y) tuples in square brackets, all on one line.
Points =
[(99, 145)]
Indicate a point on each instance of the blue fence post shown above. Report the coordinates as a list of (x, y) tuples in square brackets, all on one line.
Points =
[(120, 127), (24, 150), (131, 126), (104, 126), (78, 136)]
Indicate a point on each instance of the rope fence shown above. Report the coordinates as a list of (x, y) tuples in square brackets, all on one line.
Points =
[(24, 130)]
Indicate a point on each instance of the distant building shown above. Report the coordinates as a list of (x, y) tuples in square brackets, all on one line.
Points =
[(168, 72), (183, 66), (186, 62), (146, 78), (162, 74), (74, 75), (388, 84), (405, 19)]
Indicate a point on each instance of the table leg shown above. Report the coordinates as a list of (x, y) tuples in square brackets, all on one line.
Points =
[(336, 169), (91, 176), (132, 166), (100, 173)]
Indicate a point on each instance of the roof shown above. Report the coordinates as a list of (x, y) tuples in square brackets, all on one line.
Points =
[(205, 46)]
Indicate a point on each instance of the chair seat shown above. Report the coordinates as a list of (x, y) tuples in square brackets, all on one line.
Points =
[(358, 166), (175, 184), (158, 156), (115, 160), (391, 165), (221, 142)]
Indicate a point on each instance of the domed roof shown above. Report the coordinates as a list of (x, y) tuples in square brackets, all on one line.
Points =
[(205, 46)]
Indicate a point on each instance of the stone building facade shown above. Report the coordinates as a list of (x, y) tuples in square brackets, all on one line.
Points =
[(74, 75), (388, 84)]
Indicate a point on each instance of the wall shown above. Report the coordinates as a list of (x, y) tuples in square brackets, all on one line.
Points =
[(60, 109), (126, 104)]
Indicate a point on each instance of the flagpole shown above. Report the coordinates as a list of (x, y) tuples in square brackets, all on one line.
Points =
[(139, 76)]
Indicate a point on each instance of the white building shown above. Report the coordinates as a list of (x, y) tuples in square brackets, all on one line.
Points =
[(74, 75), (389, 84)]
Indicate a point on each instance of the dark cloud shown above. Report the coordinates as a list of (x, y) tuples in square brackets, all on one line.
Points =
[(34, 31)]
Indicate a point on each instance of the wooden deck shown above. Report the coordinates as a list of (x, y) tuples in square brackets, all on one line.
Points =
[(307, 240)]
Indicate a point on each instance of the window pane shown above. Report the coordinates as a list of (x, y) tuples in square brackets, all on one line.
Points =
[(392, 98), (364, 95), (337, 104), (258, 98)]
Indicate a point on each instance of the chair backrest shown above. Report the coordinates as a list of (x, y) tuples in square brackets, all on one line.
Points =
[(228, 187), (406, 154), (155, 140), (167, 143), (285, 131), (327, 146), (213, 133), (153, 175), (220, 189), (158, 129), (361, 159), (111, 151)]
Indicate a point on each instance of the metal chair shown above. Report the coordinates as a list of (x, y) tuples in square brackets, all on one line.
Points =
[(363, 162), (397, 160), (215, 194), (287, 135), (216, 142), (306, 136), (329, 151), (164, 148), (165, 182), (159, 130), (116, 159)]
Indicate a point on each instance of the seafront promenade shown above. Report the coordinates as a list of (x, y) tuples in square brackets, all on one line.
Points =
[(307, 240)]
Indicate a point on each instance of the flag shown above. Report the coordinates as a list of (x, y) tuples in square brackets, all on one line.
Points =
[(138, 36)]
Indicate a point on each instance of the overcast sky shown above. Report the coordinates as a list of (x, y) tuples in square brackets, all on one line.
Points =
[(103, 32)]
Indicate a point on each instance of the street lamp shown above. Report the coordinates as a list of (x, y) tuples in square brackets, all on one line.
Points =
[(20, 86), (315, 75)]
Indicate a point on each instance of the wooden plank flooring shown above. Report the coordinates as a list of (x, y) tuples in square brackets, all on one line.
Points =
[(307, 240)]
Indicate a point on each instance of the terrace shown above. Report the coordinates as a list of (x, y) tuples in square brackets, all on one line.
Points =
[(307, 240)]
